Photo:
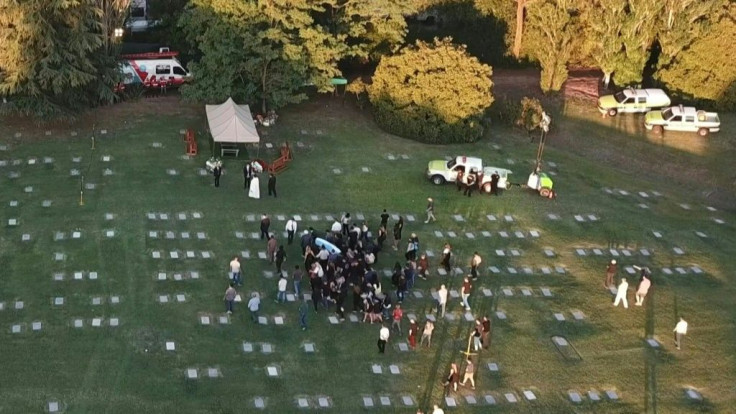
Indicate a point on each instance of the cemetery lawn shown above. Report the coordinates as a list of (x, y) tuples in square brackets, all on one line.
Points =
[(137, 170)]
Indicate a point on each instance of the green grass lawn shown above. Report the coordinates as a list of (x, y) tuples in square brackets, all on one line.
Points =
[(127, 369)]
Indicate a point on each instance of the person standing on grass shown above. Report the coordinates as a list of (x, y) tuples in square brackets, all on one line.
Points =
[(474, 263), (446, 256), (217, 172), (397, 315), (621, 294), (610, 274), (280, 258), (229, 298), (442, 301), (427, 333), (460, 180), (486, 334), (680, 330), (305, 241), (469, 373), (384, 219), (470, 183), (465, 293), (247, 175), (282, 284), (303, 310), (494, 183), (430, 210), (271, 248), (272, 184), (398, 227), (437, 410), (383, 336), (254, 305), (413, 330), (452, 378), (290, 228), (476, 335), (265, 224), (235, 275), (641, 291), (423, 267), (297, 277)]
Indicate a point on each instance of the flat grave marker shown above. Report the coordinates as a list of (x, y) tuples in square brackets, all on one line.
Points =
[(385, 401), (594, 396), (53, 407), (15, 329), (96, 322), (407, 400), (529, 395), (511, 397), (489, 399), (693, 394), (204, 320), (450, 402), (612, 395), (170, 346), (259, 402), (78, 323), (368, 402), (192, 373), (574, 396), (19, 305), (272, 371), (114, 322)]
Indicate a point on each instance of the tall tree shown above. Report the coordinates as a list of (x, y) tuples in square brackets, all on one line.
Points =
[(507, 11), (683, 21), (433, 92), (603, 22), (638, 32), (551, 29), (371, 28), (264, 50), (706, 69), (53, 59)]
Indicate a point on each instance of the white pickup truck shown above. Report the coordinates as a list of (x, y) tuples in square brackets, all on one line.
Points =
[(440, 171), (682, 118)]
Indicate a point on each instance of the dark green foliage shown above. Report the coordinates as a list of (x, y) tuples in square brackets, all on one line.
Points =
[(432, 92)]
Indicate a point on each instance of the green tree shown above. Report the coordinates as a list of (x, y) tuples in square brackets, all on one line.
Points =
[(530, 115), (506, 11), (432, 92), (259, 50), (603, 22), (551, 29), (56, 58), (683, 21), (637, 34), (371, 28), (706, 69)]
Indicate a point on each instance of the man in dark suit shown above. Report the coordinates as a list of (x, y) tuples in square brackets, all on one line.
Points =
[(217, 172), (272, 184), (494, 183)]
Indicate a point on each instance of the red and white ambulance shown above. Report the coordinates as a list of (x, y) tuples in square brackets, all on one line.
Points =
[(153, 69)]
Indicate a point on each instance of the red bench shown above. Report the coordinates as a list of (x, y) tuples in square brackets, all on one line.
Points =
[(191, 142)]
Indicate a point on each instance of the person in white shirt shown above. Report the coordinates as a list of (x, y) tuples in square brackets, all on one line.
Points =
[(254, 304), (290, 228), (437, 410), (235, 271), (281, 297), (680, 329), (621, 294), (383, 335), (442, 300), (427, 333)]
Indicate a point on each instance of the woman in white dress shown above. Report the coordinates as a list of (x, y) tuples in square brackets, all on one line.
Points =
[(255, 190)]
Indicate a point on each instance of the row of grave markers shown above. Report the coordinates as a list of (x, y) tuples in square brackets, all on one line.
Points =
[(96, 322)]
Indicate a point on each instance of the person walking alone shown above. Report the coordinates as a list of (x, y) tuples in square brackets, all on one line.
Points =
[(229, 298), (282, 284), (235, 270), (430, 210), (465, 293), (303, 310), (272, 184), (383, 336), (621, 294), (265, 225), (290, 228), (469, 373), (680, 330), (254, 304)]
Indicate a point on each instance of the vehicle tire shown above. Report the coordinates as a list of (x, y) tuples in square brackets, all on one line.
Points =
[(612, 112), (544, 192), (487, 187), (438, 179), (703, 132), (658, 130)]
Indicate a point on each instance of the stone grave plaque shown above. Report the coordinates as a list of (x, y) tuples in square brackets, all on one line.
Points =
[(549, 252), (469, 317), (653, 343), (223, 319), (508, 292), (96, 301), (500, 252), (719, 221), (553, 216), (58, 277), (515, 252), (368, 401), (278, 320), (579, 218), (394, 369), (487, 292), (491, 217), (385, 401), (96, 322), (458, 217), (163, 298), (156, 254), (259, 402), (529, 395), (470, 235), (204, 320), (53, 407), (59, 301), (559, 317), (486, 233), (441, 271), (501, 315), (78, 323), (503, 234), (36, 326), (451, 234), (560, 270), (578, 315), (272, 371), (403, 346), (527, 270), (580, 252), (489, 399), (262, 320), (247, 347), (574, 396), (612, 395), (626, 252), (302, 402), (667, 270), (509, 218), (519, 234), (192, 373), (323, 402), (546, 270), (546, 292), (309, 348), (657, 234), (598, 252), (193, 274), (594, 395), (418, 294), (206, 255), (694, 395), (450, 317), (376, 369), (407, 400), (170, 346), (450, 402), (493, 367), (678, 250), (511, 397), (114, 322), (213, 372), (494, 269), (696, 270), (511, 270), (15, 329)]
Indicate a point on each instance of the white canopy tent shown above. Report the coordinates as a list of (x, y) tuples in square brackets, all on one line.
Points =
[(232, 123)]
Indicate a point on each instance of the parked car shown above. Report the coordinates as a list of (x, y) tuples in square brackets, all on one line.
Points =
[(440, 171), (682, 118), (633, 100)]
